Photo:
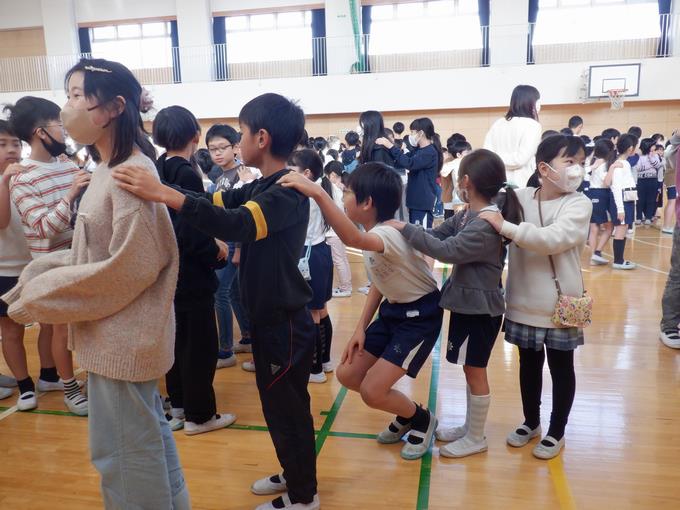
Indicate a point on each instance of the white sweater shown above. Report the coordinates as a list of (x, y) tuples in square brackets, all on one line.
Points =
[(14, 252), (622, 179), (530, 290), (515, 141)]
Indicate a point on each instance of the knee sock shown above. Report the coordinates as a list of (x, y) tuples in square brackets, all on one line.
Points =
[(479, 409), (531, 384), (619, 246), (317, 366), (561, 365), (26, 385), (327, 334), (49, 374)]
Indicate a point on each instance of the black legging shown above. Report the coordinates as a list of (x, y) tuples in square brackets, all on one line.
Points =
[(561, 364)]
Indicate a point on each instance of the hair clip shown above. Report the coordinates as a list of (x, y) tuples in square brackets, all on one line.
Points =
[(97, 69)]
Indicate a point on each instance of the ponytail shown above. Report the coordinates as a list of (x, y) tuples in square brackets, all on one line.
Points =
[(510, 207)]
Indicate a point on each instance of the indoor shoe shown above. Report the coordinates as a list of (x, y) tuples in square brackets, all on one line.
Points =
[(463, 448), (217, 422), (27, 401), (412, 451), (548, 448), (450, 434), (517, 440), (267, 486), (387, 436), (314, 505)]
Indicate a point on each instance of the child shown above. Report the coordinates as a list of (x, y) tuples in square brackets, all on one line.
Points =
[(349, 155), (333, 171), (124, 336), (474, 292), (622, 199), (319, 259), (601, 227), (670, 172), (554, 231), (449, 173), (190, 380), (44, 196), (649, 180), (400, 340), (271, 222)]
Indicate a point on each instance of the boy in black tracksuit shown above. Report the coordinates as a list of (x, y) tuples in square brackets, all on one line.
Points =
[(271, 222)]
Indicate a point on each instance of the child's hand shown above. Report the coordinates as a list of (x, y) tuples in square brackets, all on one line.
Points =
[(396, 224), (245, 174), (384, 142), (236, 258), (14, 169), (299, 182), (354, 347), (140, 182), (82, 180), (495, 219), (621, 217), (224, 250)]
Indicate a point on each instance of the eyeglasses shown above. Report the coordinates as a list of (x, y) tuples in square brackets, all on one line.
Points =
[(221, 148)]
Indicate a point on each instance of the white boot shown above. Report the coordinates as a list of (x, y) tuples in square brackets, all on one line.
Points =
[(450, 434), (474, 440)]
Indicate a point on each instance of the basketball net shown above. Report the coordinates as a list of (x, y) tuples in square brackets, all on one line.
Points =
[(616, 97)]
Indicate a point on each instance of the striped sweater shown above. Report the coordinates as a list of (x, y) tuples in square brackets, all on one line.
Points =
[(40, 197)]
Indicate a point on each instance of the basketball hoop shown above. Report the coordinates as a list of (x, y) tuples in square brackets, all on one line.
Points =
[(616, 97)]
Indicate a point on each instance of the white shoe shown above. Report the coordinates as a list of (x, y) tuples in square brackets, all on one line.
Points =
[(648, 223), (598, 260), (518, 440), (667, 231), (328, 367), (314, 505), (27, 401), (177, 419), (44, 386), (227, 362), (544, 452), (337, 293), (79, 406), (318, 378), (217, 422), (626, 266), (638, 222), (450, 434), (630, 233), (670, 338), (7, 381), (389, 437), (265, 486), (5, 393), (248, 366), (412, 451), (241, 348), (464, 447), (364, 290)]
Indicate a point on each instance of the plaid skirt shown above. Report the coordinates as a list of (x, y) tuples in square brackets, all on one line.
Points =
[(530, 337)]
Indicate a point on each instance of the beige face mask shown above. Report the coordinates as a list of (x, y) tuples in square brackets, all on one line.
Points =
[(79, 125)]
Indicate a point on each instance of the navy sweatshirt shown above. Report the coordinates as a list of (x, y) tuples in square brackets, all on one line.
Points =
[(423, 165)]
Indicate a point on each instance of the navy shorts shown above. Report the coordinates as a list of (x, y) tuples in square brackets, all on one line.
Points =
[(628, 208), (321, 271), (405, 333), (600, 197), (471, 338), (7, 283), (671, 193)]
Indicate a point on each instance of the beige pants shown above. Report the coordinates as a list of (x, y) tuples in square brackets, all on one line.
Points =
[(341, 263)]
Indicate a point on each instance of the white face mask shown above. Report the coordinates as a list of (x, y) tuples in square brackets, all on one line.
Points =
[(413, 140), (538, 105), (568, 179), (462, 195)]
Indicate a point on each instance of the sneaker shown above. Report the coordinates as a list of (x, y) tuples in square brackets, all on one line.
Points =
[(5, 393), (176, 418), (45, 386), (464, 447), (248, 366), (78, 405), (450, 434), (319, 378), (412, 451), (27, 401), (667, 231), (387, 436), (342, 293), (517, 440), (217, 422), (670, 338), (548, 448), (328, 367), (627, 265), (267, 486), (314, 505), (242, 347), (598, 260), (630, 233), (7, 381), (638, 222), (227, 362)]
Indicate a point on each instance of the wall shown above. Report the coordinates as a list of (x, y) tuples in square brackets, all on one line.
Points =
[(25, 42), (20, 14), (226, 6), (89, 11)]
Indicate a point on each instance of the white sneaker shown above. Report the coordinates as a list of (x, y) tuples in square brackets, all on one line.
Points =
[(7, 381), (626, 266), (241, 348), (266, 487), (670, 338), (314, 505), (27, 401), (638, 222), (450, 434), (318, 378), (667, 231), (630, 233), (328, 367), (598, 260), (518, 440), (248, 366), (337, 293), (217, 422), (5, 393), (412, 451), (231, 361), (544, 452), (79, 406), (648, 223), (463, 447), (44, 386)]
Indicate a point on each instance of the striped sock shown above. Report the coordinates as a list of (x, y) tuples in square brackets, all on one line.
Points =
[(72, 391)]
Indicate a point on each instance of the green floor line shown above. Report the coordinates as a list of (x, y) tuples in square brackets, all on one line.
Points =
[(330, 418), (423, 502), (353, 435)]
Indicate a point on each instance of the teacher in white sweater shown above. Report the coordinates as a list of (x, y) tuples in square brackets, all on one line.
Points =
[(516, 136)]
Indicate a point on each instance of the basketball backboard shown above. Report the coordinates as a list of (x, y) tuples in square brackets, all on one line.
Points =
[(603, 78)]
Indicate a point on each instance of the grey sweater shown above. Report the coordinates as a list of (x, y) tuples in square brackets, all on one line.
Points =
[(476, 250)]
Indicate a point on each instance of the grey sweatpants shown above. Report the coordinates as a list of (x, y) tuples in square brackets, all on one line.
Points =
[(670, 303)]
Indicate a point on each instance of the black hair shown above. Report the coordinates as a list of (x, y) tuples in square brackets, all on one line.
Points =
[(523, 102), (457, 147), (398, 127), (658, 146), (352, 138), (320, 143), (657, 136), (6, 129), (222, 131), (611, 133), (283, 119), (30, 113), (105, 80), (456, 137), (425, 125), (309, 159), (332, 153), (374, 127), (304, 140), (597, 138), (575, 122), (549, 132), (334, 167), (174, 128), (586, 139), (388, 133), (604, 149), (558, 145), (486, 172), (646, 145), (380, 183), (625, 142), (566, 131), (635, 131), (203, 160)]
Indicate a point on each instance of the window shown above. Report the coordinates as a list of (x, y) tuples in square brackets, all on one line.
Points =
[(579, 21), (137, 45), (448, 25), (269, 37)]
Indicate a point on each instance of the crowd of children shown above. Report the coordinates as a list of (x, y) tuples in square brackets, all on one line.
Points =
[(147, 260)]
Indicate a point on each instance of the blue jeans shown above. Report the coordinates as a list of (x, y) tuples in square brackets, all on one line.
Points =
[(132, 447), (227, 298)]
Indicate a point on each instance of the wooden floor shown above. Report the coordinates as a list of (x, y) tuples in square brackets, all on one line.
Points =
[(623, 439)]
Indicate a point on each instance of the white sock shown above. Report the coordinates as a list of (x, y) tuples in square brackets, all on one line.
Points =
[(479, 409), (466, 425)]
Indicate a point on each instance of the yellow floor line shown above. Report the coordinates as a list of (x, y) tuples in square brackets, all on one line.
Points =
[(561, 484)]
